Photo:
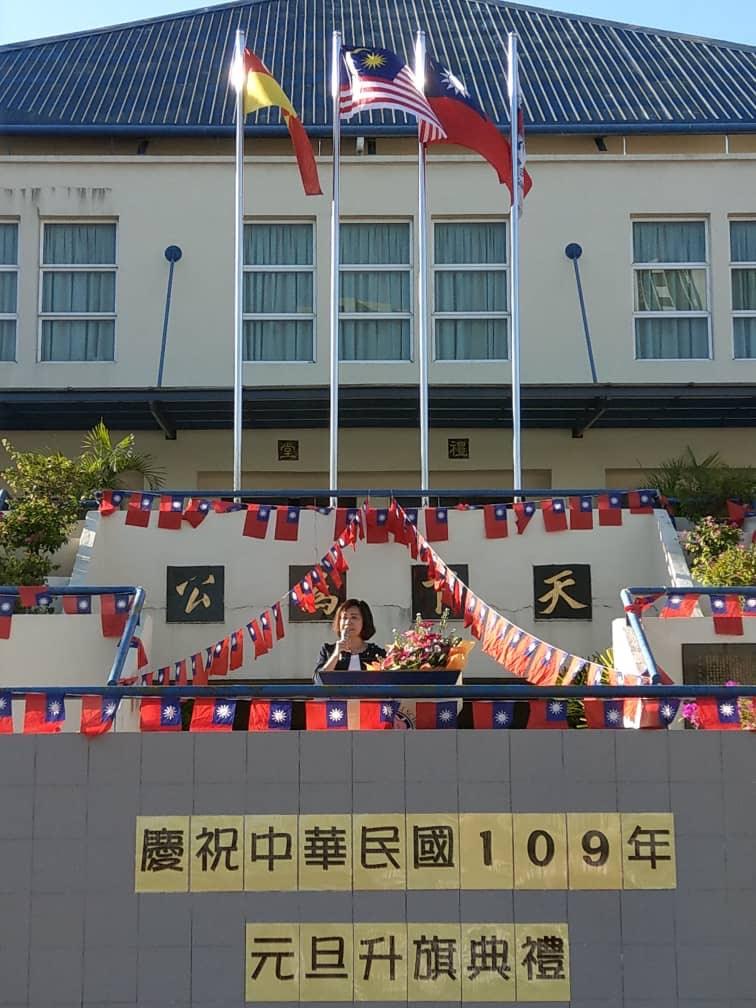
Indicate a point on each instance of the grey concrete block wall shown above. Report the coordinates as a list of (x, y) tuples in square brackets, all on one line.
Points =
[(74, 934)]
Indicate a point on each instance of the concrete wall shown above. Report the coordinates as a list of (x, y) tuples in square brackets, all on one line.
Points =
[(73, 932)]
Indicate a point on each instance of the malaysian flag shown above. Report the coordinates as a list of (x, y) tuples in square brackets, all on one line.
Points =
[(373, 78)]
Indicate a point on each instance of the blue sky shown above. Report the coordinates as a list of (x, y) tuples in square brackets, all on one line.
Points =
[(734, 20)]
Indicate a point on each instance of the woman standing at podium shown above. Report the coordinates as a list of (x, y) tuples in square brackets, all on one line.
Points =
[(353, 624)]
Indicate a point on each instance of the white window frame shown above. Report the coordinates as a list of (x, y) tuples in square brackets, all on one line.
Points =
[(734, 266), (472, 268), (12, 316), (646, 267), (77, 268), (282, 268), (409, 268)]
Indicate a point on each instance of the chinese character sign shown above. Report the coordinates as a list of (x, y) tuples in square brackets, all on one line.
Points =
[(562, 591), (427, 601), (194, 594)]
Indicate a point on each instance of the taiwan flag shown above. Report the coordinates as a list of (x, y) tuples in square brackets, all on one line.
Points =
[(554, 515), (581, 512), (212, 714), (114, 611), (376, 520), (344, 518), (524, 511), (640, 502), (196, 511), (218, 658), (139, 510), (728, 614), (270, 715), (110, 501), (34, 596), (279, 621), (604, 713), (159, 714), (651, 713), (548, 714), (45, 713), (236, 654), (6, 713), (256, 521), (610, 509), (377, 715), (97, 714), (326, 715), (436, 715), (679, 606), (437, 524), (287, 524), (719, 715), (77, 605), (171, 513), (493, 714), (495, 521), (7, 605)]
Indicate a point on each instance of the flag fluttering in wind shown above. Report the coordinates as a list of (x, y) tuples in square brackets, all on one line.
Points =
[(515, 100), (262, 90), (373, 78)]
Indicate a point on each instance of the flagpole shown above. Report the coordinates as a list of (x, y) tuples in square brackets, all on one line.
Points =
[(333, 464), (514, 268), (422, 277), (238, 254)]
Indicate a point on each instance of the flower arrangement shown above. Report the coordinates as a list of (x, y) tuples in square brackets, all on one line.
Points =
[(426, 645)]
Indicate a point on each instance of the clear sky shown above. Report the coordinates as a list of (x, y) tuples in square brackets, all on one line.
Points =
[(734, 20)]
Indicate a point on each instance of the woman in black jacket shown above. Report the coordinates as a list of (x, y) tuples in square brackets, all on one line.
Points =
[(353, 624)]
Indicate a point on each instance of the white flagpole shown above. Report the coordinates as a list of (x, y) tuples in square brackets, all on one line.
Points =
[(240, 83), (333, 465), (514, 267), (422, 278)]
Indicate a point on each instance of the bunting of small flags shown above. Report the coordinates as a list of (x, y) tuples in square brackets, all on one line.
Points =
[(212, 714), (493, 714), (436, 715), (270, 715), (6, 712), (719, 714), (44, 713), (581, 513), (604, 713), (679, 606), (326, 715), (97, 714), (554, 515), (495, 521), (548, 714), (171, 512)]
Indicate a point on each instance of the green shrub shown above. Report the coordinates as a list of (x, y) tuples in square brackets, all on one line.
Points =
[(736, 566), (701, 487), (709, 539)]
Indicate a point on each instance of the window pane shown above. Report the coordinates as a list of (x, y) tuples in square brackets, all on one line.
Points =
[(278, 293), (278, 340), (743, 241), (669, 241), (375, 339), (7, 340), (376, 244), (673, 338), (471, 339), (471, 291), (79, 244), (278, 245), (471, 243), (78, 292), (7, 293), (8, 244), (745, 338), (383, 292), (744, 290), (77, 340), (670, 290)]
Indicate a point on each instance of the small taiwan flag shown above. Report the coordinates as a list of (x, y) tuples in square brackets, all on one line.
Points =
[(45, 713), (6, 713), (110, 501), (554, 515), (437, 524), (581, 512), (376, 520), (97, 714), (171, 512), (279, 621), (548, 714), (640, 502), (34, 596), (159, 714), (218, 658), (196, 511), (719, 715), (77, 605), (236, 653), (256, 521), (287, 524), (728, 614), (139, 510), (679, 606), (749, 608), (266, 629), (273, 715), (7, 605), (657, 713), (524, 511), (326, 715), (495, 521), (493, 714), (212, 714), (114, 611), (604, 713), (344, 517), (610, 509), (436, 715), (377, 714)]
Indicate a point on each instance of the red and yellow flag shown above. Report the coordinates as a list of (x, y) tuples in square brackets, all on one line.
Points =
[(261, 90)]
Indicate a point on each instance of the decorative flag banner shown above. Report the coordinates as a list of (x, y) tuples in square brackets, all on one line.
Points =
[(750, 606), (436, 715), (256, 521), (7, 605), (139, 510), (376, 520), (279, 621), (604, 713), (642, 602), (199, 670), (377, 715), (495, 521), (97, 714), (373, 78), (110, 502), (218, 658), (212, 714), (728, 614), (267, 630), (437, 524), (262, 90), (737, 512), (493, 714), (524, 511), (180, 675), (6, 713), (44, 713), (225, 506), (287, 524), (159, 714), (171, 513), (719, 715), (651, 713), (554, 515), (258, 641), (114, 612), (640, 502), (581, 512), (609, 509), (34, 596), (77, 605), (236, 653), (344, 517), (326, 715), (196, 511), (274, 715), (548, 714), (679, 605)]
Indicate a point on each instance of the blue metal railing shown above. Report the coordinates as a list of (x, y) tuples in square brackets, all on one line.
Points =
[(297, 493)]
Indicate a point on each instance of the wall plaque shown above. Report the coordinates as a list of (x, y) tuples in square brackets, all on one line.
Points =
[(715, 664), (562, 591), (458, 447), (327, 598), (194, 594), (288, 450), (426, 600)]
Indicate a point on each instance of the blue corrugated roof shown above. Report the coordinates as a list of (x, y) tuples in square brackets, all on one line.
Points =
[(577, 73)]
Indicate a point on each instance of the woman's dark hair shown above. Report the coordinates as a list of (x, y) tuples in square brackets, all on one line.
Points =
[(368, 627)]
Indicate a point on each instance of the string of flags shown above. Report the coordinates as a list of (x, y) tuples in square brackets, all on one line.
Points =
[(726, 611)]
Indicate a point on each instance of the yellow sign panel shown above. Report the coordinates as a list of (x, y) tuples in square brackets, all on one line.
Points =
[(325, 852), (594, 850), (485, 845), (380, 962), (162, 854), (434, 968), (217, 853), (488, 962), (648, 850), (270, 853), (540, 851), (433, 851), (543, 962), (379, 852), (325, 962), (271, 968)]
